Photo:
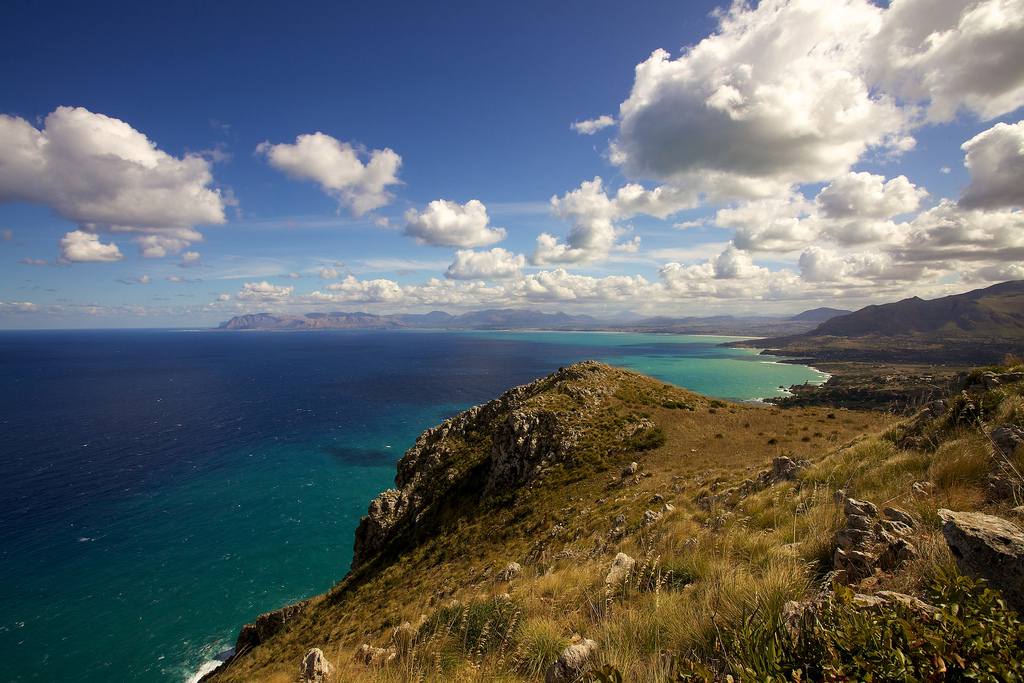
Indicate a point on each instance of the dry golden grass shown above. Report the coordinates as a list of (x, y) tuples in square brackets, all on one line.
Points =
[(699, 572)]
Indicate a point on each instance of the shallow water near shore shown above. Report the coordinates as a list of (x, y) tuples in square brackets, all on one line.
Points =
[(162, 487)]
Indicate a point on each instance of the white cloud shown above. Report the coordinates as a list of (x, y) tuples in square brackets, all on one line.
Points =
[(863, 195), (496, 264), (593, 125), (777, 97), (950, 233), (450, 224), (33, 261), (260, 292), (329, 273), (593, 214), (104, 175), (352, 289), (158, 246), (953, 54), (995, 159), (337, 167), (190, 259), (84, 247)]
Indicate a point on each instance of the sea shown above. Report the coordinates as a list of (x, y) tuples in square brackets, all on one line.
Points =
[(160, 488)]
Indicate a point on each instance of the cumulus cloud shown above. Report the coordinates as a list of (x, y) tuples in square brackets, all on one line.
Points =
[(106, 176), (496, 264), (337, 167), (260, 292), (952, 54), (329, 273), (593, 125), (594, 214), (791, 92), (158, 246), (190, 259), (84, 247), (995, 160), (450, 224), (949, 233), (778, 96)]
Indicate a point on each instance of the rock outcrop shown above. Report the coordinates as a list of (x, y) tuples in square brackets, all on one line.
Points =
[(574, 661), (315, 668), (870, 541), (267, 625), (525, 430), (989, 547)]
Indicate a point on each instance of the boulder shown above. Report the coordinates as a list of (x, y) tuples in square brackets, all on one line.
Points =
[(630, 470), (374, 656), (1006, 438), (650, 517), (861, 508), (573, 663), (899, 516), (784, 468), (511, 571), (315, 667), (989, 547), (622, 565)]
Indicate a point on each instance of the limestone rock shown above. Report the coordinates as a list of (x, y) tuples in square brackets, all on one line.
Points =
[(511, 571), (267, 625), (784, 468), (989, 547), (315, 667), (525, 440), (650, 517), (374, 656), (622, 565), (896, 554), (894, 528), (574, 661), (630, 470), (899, 516), (862, 508), (849, 539), (1006, 438), (858, 522), (667, 508)]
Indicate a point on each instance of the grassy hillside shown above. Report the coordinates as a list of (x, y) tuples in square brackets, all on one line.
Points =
[(721, 540)]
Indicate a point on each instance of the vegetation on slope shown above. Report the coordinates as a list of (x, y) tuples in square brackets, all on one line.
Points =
[(712, 572)]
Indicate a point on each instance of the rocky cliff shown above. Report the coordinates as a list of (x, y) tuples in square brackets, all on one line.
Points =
[(523, 431)]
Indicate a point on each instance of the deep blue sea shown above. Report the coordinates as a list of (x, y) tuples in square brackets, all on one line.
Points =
[(160, 488)]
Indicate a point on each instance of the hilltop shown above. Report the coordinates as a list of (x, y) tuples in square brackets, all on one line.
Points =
[(602, 512)]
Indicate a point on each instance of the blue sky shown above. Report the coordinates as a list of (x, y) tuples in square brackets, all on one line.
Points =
[(176, 164)]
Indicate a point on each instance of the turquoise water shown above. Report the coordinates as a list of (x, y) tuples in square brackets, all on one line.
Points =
[(163, 488)]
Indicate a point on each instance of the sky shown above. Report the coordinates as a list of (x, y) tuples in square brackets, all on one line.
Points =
[(177, 164)]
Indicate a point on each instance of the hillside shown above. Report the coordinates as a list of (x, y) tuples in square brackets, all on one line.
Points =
[(974, 328), (649, 526)]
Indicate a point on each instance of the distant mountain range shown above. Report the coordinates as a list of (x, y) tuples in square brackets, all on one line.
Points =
[(523, 319)]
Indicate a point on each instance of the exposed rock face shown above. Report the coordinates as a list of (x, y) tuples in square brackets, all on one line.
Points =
[(525, 437), (622, 565), (267, 625), (374, 656), (315, 667), (869, 541), (511, 571), (989, 547), (1006, 438), (575, 661)]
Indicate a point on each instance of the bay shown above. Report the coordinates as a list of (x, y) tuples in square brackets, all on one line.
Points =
[(163, 487)]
